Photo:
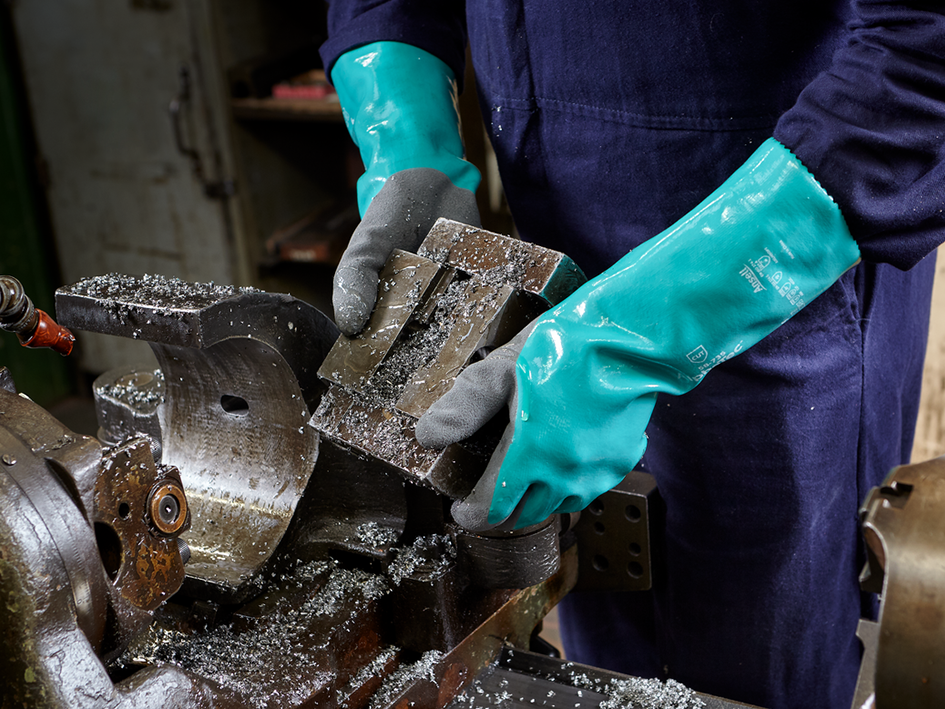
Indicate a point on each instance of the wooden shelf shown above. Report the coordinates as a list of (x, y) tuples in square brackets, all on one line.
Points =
[(283, 109)]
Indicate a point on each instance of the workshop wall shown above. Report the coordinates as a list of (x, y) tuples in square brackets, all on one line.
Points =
[(24, 237), (930, 432)]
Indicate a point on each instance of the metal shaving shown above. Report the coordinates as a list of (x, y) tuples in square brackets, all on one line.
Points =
[(145, 397), (251, 661), (373, 534), (511, 270), (373, 669), (406, 675), (430, 555), (637, 693), (155, 290), (413, 351), (385, 438), (169, 296)]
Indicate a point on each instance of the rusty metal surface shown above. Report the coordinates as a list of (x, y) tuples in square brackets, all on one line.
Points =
[(618, 537), (146, 567), (904, 529), (239, 369)]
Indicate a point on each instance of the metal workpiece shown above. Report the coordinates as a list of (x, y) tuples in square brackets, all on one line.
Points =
[(904, 529), (617, 536), (173, 312), (544, 273), (466, 292), (229, 406)]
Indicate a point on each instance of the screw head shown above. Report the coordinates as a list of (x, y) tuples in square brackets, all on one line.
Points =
[(167, 507)]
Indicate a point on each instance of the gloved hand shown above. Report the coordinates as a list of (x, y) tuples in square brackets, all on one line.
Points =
[(399, 105), (744, 261), (480, 391)]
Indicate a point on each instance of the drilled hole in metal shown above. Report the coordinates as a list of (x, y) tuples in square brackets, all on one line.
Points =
[(124, 510), (600, 562), (235, 405), (596, 507), (599, 528), (169, 509), (635, 549), (635, 570), (633, 513)]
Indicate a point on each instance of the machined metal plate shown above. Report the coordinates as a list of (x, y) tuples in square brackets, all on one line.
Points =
[(404, 280), (618, 536)]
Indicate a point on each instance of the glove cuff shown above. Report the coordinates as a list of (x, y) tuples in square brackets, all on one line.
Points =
[(400, 107)]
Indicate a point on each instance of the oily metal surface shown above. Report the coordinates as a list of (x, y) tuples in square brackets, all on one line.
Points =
[(239, 384), (126, 404), (28, 437), (438, 677), (324, 634), (147, 568), (53, 590), (43, 647), (515, 559), (904, 529), (234, 423)]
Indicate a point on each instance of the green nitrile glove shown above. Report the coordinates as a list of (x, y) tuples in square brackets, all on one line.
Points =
[(399, 105), (749, 257)]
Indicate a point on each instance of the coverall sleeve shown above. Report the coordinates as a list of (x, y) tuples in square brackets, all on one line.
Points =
[(872, 129), (436, 26)]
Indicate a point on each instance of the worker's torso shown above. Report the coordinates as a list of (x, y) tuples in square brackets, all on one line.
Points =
[(611, 119)]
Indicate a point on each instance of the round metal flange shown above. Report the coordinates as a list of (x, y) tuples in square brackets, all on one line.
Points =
[(167, 507)]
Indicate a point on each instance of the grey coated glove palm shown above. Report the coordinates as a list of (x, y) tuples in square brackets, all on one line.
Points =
[(479, 393), (399, 217)]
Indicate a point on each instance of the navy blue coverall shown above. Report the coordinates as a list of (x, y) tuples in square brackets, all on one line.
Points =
[(611, 120)]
